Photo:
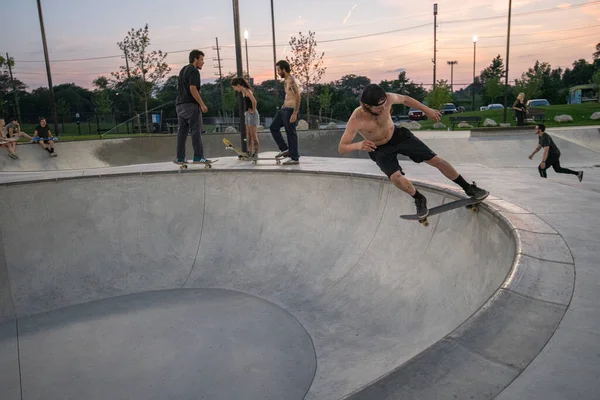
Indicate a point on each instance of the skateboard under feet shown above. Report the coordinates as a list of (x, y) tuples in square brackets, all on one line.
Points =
[(470, 204), (184, 165), (243, 156)]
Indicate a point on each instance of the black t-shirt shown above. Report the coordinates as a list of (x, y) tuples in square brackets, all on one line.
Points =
[(189, 75), (545, 140), (42, 131)]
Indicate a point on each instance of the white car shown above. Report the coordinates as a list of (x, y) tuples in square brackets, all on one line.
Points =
[(495, 106)]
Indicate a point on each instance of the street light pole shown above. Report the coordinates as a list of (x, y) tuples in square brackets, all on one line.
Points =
[(240, 71), (435, 12), (247, 61), (474, 55), (452, 64), (507, 57)]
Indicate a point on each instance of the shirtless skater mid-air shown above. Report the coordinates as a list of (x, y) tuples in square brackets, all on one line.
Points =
[(384, 141)]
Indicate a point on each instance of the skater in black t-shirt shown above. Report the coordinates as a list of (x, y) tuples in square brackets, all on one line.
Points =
[(551, 156)]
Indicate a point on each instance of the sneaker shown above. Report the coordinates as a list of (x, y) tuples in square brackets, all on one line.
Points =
[(476, 193), (580, 176), (180, 161), (12, 155), (422, 210), (200, 160), (282, 154), (289, 161), (53, 154), (15, 156)]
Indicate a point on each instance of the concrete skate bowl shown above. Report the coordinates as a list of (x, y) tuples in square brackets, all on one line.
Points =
[(253, 285)]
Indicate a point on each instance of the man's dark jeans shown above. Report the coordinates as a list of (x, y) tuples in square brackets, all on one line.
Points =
[(190, 121), (282, 118)]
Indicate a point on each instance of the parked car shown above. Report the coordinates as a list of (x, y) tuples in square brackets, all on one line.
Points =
[(448, 108), (483, 108), (495, 106), (416, 115), (460, 109), (537, 103)]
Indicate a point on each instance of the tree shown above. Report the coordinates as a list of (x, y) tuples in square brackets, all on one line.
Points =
[(494, 89), (596, 83), (325, 101), (101, 82), (580, 74), (533, 80), (494, 71), (597, 52), (352, 85), (306, 64), (149, 67), (440, 95)]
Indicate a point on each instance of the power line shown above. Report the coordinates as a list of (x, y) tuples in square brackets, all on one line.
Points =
[(545, 10), (565, 8), (528, 34), (521, 44)]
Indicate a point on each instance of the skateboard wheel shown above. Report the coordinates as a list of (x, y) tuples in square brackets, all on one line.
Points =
[(207, 166), (425, 223), (254, 162), (278, 162), (475, 209)]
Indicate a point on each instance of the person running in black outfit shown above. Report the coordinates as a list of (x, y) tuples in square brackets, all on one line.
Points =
[(551, 156)]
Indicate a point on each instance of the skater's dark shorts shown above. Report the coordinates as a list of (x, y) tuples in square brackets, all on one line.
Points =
[(402, 142)]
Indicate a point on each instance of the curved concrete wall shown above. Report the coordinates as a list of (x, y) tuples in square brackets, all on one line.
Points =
[(371, 289)]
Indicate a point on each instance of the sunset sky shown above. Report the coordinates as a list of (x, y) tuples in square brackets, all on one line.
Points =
[(556, 31)]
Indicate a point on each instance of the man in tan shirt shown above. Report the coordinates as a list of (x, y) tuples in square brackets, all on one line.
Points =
[(287, 116)]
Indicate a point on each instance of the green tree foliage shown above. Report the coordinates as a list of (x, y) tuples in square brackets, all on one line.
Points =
[(149, 67), (307, 65), (440, 95)]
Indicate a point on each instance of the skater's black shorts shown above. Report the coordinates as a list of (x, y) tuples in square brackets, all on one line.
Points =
[(402, 142)]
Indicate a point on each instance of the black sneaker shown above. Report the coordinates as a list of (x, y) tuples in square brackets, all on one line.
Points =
[(422, 210), (476, 193), (580, 176)]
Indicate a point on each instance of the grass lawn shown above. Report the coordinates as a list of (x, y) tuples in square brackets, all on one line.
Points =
[(581, 114)]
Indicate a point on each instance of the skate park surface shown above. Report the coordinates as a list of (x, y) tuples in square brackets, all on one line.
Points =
[(287, 282)]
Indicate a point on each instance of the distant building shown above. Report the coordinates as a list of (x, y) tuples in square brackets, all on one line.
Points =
[(582, 94)]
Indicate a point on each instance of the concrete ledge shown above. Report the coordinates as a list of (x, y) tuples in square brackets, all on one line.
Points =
[(499, 131)]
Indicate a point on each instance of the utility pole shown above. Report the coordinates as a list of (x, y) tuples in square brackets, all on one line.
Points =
[(473, 85), (507, 56), (452, 64), (247, 60), (240, 71), (274, 50), (435, 13), (220, 74), (9, 62), (48, 71)]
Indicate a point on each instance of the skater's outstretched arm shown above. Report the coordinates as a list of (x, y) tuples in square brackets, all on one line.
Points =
[(346, 145), (408, 101)]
